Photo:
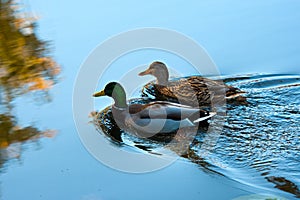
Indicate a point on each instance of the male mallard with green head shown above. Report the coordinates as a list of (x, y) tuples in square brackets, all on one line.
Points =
[(194, 90), (146, 120)]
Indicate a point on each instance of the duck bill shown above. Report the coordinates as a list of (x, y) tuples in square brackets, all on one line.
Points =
[(99, 94), (146, 72)]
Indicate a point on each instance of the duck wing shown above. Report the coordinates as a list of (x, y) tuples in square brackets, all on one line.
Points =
[(167, 110), (162, 117), (192, 91)]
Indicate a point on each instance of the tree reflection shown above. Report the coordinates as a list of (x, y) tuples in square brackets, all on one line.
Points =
[(25, 64), (25, 67), (12, 137)]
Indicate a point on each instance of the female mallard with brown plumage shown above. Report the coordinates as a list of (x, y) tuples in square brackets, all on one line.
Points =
[(193, 90)]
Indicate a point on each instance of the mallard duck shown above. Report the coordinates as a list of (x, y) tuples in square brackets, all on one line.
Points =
[(146, 120), (193, 90)]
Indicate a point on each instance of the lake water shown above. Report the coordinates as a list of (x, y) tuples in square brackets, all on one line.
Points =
[(257, 152), (259, 144)]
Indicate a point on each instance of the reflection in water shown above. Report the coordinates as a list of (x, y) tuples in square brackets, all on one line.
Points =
[(265, 135), (25, 66), (260, 141), (285, 185), (12, 137), (179, 141)]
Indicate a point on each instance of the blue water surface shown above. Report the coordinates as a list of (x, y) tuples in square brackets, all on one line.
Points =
[(253, 37)]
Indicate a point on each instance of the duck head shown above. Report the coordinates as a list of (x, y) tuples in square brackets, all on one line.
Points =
[(116, 91), (158, 70)]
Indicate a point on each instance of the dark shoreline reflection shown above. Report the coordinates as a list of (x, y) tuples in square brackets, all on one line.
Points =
[(12, 138), (258, 140)]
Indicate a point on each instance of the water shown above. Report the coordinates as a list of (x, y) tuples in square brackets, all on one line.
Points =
[(264, 136), (241, 37), (260, 142)]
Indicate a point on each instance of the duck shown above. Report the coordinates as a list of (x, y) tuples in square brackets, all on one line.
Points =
[(156, 117), (195, 91)]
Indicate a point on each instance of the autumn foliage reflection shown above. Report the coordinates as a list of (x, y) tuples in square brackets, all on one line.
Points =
[(25, 67), (25, 63), (12, 137)]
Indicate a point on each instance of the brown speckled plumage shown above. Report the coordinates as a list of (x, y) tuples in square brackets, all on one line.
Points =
[(193, 90)]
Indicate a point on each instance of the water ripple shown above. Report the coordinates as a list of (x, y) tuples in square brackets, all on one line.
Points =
[(260, 142)]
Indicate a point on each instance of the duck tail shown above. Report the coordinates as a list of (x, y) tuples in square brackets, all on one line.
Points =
[(235, 95), (205, 118), (233, 92)]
